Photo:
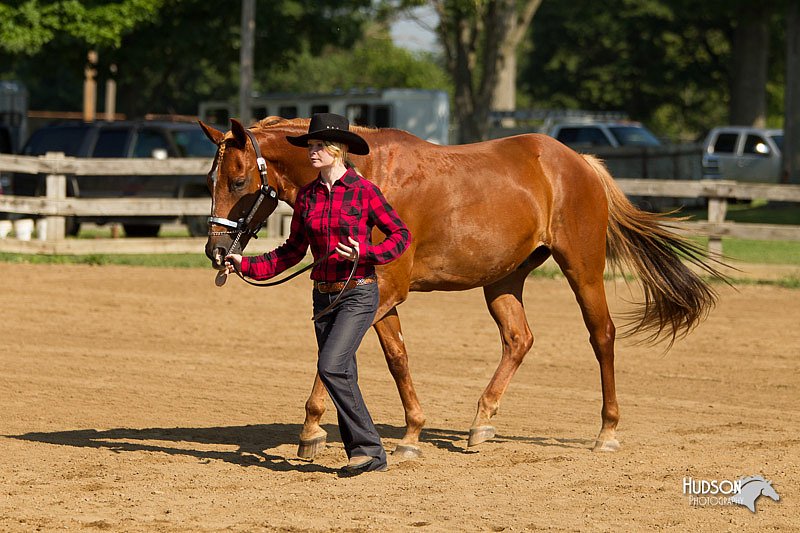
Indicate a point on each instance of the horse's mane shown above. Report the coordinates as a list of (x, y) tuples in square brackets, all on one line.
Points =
[(275, 122)]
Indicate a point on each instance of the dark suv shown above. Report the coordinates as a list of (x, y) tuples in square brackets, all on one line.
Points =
[(122, 139), (6, 147)]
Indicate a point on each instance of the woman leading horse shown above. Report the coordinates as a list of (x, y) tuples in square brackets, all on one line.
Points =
[(482, 215), (334, 215)]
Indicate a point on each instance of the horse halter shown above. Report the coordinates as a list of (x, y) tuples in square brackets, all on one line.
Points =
[(242, 226)]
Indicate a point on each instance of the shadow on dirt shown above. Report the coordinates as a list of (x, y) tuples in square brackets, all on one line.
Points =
[(456, 441), (249, 445)]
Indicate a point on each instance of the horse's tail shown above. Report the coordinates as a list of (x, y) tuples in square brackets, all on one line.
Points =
[(675, 298)]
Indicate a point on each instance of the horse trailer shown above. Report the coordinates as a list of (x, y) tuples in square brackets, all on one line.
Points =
[(422, 112)]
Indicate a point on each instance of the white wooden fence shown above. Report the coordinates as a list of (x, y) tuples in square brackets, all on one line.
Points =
[(718, 192), (55, 205)]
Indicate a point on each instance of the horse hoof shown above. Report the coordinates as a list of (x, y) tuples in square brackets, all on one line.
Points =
[(308, 449), (480, 434), (406, 451), (611, 445)]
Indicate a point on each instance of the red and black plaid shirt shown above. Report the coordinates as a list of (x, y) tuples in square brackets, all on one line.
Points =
[(324, 218)]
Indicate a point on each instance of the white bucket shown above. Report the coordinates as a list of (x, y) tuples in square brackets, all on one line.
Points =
[(23, 229), (5, 228)]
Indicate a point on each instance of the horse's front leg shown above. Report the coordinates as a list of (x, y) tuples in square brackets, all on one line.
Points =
[(394, 348), (313, 437)]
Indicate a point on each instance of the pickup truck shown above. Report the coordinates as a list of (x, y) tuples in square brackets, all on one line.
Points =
[(743, 153), (128, 139), (582, 135)]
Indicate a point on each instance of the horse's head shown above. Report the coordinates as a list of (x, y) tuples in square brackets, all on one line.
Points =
[(768, 490), (244, 191)]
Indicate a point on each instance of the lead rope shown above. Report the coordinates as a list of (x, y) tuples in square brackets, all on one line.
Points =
[(244, 227), (332, 305), (287, 278)]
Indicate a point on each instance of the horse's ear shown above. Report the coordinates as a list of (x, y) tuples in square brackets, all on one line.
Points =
[(238, 132), (215, 135)]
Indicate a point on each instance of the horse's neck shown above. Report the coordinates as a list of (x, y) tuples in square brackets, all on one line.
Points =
[(295, 171), (291, 180)]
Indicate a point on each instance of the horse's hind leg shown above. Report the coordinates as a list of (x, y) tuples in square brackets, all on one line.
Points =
[(585, 276), (313, 437), (504, 299), (394, 348)]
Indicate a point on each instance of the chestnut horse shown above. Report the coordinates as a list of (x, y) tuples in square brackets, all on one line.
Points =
[(481, 215)]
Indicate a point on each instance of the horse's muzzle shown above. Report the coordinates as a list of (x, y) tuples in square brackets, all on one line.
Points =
[(217, 256)]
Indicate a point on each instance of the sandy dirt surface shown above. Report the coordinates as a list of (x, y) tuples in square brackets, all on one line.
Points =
[(139, 399)]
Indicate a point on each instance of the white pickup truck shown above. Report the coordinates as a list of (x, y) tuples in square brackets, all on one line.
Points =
[(744, 154), (583, 135)]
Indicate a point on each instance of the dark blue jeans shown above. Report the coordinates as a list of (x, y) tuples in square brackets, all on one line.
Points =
[(339, 334)]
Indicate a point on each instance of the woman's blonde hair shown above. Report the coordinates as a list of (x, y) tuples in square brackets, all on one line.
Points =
[(339, 151)]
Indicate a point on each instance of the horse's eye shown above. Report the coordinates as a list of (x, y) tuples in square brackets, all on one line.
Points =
[(238, 183)]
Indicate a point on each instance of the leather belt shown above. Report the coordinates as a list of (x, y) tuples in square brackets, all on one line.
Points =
[(337, 286)]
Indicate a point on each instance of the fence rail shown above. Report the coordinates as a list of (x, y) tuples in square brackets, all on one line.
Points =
[(55, 205)]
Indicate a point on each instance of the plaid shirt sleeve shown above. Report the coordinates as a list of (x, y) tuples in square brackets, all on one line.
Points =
[(285, 256), (385, 218)]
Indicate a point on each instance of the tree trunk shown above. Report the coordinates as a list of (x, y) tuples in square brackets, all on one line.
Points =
[(246, 61), (504, 56), (748, 105), (460, 26), (791, 127)]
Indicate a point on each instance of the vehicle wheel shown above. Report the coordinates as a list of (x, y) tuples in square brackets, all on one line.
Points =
[(141, 230), (197, 226)]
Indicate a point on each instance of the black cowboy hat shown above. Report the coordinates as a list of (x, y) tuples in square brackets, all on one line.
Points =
[(331, 127)]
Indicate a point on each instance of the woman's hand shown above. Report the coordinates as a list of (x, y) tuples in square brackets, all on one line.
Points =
[(348, 252), (233, 262)]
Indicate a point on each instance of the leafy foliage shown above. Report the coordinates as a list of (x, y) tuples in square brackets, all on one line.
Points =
[(666, 63), (171, 54), (28, 27), (374, 62)]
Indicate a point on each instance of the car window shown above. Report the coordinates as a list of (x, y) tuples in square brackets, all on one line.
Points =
[(756, 145), (193, 143), (634, 136), (110, 143), (148, 140), (778, 139), (726, 143), (383, 116), (287, 111), (582, 135), (67, 140)]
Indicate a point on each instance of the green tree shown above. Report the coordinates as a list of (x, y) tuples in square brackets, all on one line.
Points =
[(188, 51), (373, 62), (667, 63), (28, 27)]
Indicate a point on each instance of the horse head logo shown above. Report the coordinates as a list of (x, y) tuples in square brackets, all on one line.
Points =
[(752, 487)]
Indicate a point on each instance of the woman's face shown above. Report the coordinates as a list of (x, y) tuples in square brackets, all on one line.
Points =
[(320, 158)]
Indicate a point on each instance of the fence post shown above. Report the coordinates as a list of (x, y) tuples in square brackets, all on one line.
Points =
[(56, 189), (717, 208)]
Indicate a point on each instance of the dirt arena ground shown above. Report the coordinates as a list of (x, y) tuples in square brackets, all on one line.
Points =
[(140, 399)]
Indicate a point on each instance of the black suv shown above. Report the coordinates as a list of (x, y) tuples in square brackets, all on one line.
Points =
[(122, 139)]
